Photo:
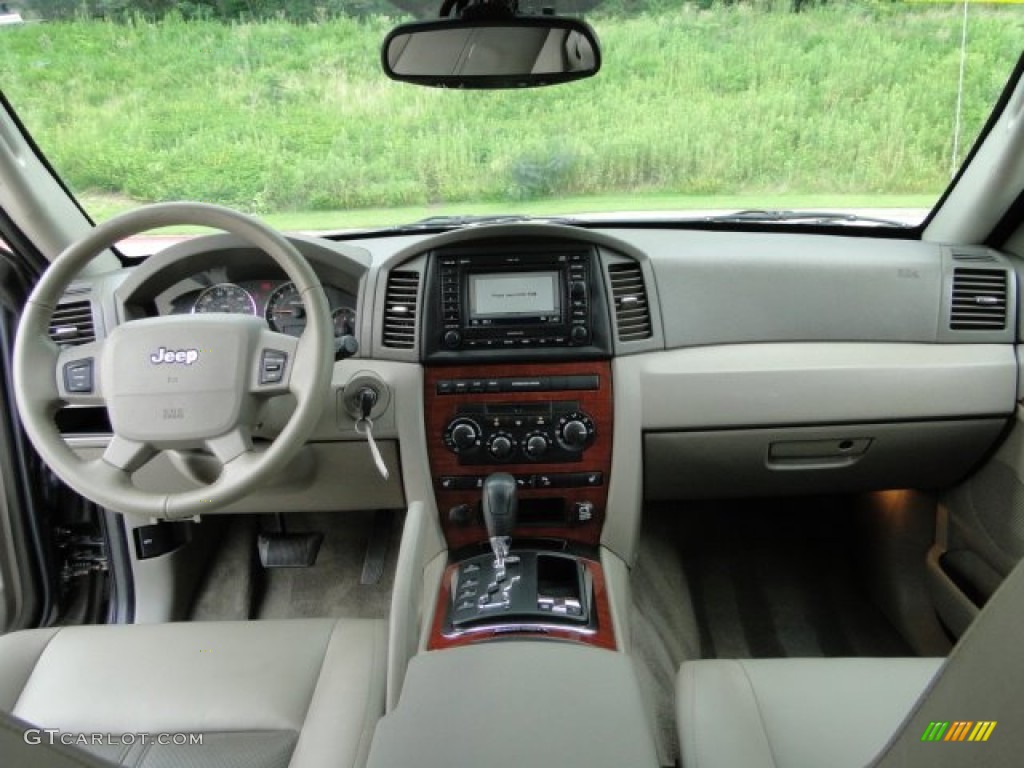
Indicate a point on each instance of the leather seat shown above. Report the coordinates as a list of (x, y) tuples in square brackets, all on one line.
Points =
[(792, 713), (850, 713), (298, 693)]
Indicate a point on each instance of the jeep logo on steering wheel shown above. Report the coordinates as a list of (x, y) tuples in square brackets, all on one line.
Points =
[(174, 356)]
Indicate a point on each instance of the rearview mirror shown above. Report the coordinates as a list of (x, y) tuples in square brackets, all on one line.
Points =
[(519, 52)]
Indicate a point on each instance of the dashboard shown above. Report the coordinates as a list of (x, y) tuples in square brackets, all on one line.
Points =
[(605, 367)]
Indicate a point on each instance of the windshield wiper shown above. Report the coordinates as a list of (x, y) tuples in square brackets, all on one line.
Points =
[(767, 215), (469, 220)]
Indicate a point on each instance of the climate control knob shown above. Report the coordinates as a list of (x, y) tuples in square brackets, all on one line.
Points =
[(462, 435), (575, 431), (536, 445), (500, 446)]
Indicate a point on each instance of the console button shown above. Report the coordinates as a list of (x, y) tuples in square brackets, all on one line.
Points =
[(578, 334), (582, 381), (452, 339), (524, 481), (582, 512), (445, 387), (462, 435), (536, 445), (500, 446)]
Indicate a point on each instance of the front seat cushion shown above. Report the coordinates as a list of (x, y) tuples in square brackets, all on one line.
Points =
[(263, 694), (794, 713)]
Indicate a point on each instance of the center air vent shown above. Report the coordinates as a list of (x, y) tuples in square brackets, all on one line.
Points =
[(72, 323), (400, 309), (632, 313), (979, 300)]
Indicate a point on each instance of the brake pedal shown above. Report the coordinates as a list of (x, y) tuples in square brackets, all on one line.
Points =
[(289, 550)]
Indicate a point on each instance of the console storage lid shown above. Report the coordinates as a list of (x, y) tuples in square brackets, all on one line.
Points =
[(517, 703)]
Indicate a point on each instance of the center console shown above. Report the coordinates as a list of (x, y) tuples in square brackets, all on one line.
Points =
[(517, 399), (518, 387)]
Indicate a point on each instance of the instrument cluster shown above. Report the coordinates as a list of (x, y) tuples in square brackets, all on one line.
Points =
[(277, 301)]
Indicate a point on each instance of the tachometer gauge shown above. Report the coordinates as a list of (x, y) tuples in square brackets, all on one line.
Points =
[(285, 310), (344, 321), (225, 297)]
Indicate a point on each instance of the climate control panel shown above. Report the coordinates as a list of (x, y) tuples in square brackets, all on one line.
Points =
[(521, 432)]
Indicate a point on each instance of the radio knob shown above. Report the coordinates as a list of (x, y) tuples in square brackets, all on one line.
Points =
[(536, 446), (452, 339), (575, 431), (500, 446), (578, 334), (578, 289), (463, 435)]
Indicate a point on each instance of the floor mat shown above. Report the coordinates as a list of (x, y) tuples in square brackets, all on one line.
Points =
[(780, 578), (237, 587)]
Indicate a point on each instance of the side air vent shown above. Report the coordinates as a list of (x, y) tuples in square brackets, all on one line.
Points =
[(400, 309), (632, 313), (979, 300), (72, 323)]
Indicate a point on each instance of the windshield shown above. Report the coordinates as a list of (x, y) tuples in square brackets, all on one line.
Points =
[(283, 110)]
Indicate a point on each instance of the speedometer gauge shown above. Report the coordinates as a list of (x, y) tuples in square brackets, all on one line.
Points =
[(285, 311), (225, 297)]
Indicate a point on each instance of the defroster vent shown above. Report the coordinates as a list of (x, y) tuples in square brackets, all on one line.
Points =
[(632, 312), (979, 300), (400, 309)]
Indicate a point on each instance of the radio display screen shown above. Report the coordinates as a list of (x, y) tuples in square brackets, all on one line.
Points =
[(512, 295)]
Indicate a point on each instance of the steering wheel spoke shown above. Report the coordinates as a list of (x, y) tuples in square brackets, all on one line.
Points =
[(78, 374), (230, 446), (126, 454)]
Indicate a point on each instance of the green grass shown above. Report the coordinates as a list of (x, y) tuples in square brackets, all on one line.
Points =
[(732, 107)]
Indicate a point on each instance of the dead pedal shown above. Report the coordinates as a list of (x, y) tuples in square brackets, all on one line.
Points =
[(377, 547)]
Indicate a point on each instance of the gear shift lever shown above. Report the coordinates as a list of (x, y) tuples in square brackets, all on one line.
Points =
[(500, 506)]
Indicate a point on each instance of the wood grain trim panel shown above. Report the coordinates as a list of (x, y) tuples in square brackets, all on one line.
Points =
[(440, 409)]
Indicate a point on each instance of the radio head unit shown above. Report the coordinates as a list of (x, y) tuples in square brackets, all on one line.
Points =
[(512, 300)]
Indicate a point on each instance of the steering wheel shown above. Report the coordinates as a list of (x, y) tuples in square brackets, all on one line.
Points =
[(182, 382)]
